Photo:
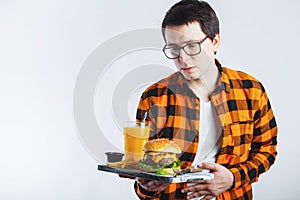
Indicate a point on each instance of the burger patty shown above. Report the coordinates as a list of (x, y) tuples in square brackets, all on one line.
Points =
[(166, 161), (162, 162), (149, 161)]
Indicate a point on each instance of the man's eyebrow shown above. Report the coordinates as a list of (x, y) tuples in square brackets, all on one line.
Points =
[(184, 42)]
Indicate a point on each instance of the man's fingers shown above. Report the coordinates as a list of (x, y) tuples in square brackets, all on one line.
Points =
[(199, 181), (145, 182), (207, 165), (126, 176), (198, 194), (196, 187), (140, 180), (207, 197)]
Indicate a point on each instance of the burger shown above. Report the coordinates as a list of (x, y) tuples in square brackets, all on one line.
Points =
[(160, 156)]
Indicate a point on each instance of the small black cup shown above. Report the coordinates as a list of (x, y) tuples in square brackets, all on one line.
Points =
[(114, 156)]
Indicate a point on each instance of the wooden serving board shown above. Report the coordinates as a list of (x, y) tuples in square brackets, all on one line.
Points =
[(166, 178)]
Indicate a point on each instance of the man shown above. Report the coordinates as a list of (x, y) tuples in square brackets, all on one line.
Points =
[(221, 118)]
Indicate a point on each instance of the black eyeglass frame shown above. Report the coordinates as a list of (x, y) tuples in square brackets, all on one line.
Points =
[(182, 47)]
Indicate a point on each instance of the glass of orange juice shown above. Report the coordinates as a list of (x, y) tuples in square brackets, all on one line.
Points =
[(135, 136)]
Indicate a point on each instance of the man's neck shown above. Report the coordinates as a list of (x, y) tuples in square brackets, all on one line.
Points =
[(204, 86)]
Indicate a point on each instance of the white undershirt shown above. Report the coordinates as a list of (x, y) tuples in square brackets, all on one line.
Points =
[(210, 139)]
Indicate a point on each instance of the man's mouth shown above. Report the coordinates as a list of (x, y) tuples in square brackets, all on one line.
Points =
[(187, 68)]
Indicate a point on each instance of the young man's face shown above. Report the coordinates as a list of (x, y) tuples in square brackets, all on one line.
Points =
[(192, 67)]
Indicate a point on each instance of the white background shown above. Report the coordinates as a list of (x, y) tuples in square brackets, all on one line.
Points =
[(43, 45)]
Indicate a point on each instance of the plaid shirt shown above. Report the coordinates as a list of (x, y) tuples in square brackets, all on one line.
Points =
[(249, 129)]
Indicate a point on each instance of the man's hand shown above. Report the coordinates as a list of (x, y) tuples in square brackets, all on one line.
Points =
[(152, 185), (223, 180), (126, 176)]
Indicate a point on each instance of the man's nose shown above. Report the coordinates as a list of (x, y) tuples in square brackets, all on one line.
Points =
[(182, 55)]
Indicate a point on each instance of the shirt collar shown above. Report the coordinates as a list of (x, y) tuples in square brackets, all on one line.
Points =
[(223, 81)]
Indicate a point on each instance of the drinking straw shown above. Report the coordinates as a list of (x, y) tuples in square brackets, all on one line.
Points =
[(145, 116)]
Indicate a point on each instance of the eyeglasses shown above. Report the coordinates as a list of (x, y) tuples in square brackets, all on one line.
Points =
[(191, 49)]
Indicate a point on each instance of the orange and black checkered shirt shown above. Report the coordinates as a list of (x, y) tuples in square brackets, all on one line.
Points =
[(249, 128)]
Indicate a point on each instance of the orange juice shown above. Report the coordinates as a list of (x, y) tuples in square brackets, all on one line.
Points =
[(135, 137)]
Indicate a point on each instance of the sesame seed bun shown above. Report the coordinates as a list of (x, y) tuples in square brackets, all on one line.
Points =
[(162, 145)]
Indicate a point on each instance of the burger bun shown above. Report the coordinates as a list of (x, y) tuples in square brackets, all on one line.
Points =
[(162, 145)]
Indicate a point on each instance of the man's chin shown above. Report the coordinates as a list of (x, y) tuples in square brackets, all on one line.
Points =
[(189, 77)]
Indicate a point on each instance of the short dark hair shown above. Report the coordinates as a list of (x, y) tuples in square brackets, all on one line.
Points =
[(187, 11)]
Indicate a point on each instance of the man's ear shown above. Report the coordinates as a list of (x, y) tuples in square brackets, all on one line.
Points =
[(216, 42)]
